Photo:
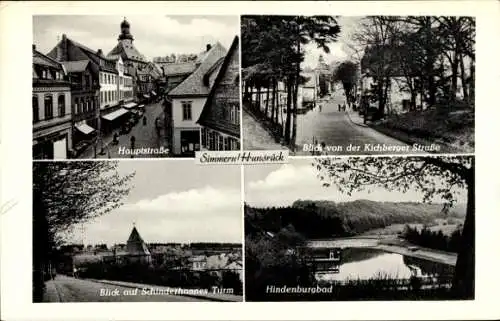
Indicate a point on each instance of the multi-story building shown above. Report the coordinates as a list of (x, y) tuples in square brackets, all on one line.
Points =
[(188, 99), (84, 81), (220, 118), (51, 106), (109, 108), (125, 83), (132, 59)]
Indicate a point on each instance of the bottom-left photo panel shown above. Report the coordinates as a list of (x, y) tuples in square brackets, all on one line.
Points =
[(136, 230)]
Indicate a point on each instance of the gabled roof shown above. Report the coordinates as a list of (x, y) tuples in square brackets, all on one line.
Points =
[(75, 66), (181, 68), (193, 85), (127, 50), (91, 54), (211, 113), (44, 60), (136, 245)]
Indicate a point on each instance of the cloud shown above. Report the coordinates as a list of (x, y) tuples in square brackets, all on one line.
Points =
[(195, 215), (205, 201), (286, 176), (292, 182)]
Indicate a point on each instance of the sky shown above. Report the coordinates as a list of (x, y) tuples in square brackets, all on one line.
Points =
[(154, 35), (339, 51), (281, 185), (172, 201)]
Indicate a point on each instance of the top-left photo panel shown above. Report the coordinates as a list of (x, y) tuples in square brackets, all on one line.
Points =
[(108, 87)]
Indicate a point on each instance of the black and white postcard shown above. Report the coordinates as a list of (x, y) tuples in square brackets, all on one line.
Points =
[(350, 229), (135, 231), (324, 85), (277, 155), (125, 87)]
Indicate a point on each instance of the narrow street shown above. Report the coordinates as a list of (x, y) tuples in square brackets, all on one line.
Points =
[(328, 125), (146, 136), (68, 289), (255, 137)]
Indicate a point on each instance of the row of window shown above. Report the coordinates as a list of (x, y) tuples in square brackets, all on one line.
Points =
[(212, 140), (84, 105), (46, 73), (107, 97), (111, 96), (107, 79), (48, 107)]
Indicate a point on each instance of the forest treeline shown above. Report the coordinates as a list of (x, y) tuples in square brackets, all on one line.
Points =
[(324, 219)]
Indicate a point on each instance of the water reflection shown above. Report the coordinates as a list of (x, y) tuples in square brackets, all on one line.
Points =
[(366, 263)]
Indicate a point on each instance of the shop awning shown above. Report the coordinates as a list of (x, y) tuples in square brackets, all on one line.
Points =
[(146, 96), (129, 105), (114, 115), (84, 128)]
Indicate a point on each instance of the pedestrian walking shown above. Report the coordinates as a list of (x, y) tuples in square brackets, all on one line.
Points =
[(144, 120)]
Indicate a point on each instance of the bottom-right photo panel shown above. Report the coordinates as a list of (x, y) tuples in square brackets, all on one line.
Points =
[(365, 228)]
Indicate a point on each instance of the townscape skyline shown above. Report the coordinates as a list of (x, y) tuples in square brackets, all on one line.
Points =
[(155, 35)]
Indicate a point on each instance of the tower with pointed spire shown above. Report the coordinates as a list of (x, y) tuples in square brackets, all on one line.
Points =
[(137, 250)]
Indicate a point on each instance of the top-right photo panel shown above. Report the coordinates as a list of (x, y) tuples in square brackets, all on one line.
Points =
[(328, 85)]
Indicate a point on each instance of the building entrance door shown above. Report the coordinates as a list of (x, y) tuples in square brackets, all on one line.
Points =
[(190, 142)]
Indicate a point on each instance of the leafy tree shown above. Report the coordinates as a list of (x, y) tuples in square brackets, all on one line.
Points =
[(264, 63), (64, 194), (347, 74), (435, 177)]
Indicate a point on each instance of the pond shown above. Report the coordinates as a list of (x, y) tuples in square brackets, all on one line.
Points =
[(369, 263)]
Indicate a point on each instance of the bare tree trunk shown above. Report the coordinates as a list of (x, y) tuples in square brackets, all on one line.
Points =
[(279, 107), (294, 126), (463, 281), (288, 110), (267, 99), (472, 84), (463, 79), (454, 77), (258, 98), (273, 106), (295, 95)]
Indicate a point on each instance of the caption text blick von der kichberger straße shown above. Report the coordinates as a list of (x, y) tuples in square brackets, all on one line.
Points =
[(371, 148)]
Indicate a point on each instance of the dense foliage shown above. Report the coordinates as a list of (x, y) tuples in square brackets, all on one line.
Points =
[(323, 219), (433, 239), (64, 194)]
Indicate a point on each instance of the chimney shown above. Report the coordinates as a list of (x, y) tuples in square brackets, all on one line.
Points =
[(33, 46), (64, 37), (99, 52), (209, 46)]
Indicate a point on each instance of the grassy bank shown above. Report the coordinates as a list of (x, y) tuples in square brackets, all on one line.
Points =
[(451, 129)]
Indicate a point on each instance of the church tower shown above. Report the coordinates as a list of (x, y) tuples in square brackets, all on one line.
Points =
[(125, 31)]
